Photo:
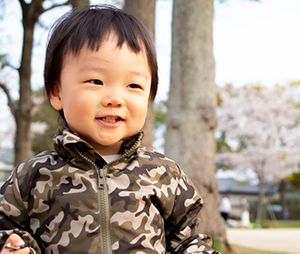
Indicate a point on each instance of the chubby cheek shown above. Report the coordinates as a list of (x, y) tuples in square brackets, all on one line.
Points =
[(76, 111), (72, 117), (140, 114)]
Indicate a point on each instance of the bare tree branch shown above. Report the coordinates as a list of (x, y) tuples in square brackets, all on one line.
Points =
[(68, 2), (5, 63), (8, 64), (10, 101)]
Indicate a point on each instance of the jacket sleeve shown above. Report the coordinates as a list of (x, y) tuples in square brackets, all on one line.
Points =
[(14, 204), (182, 226)]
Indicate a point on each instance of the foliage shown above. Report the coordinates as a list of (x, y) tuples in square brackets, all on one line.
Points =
[(46, 116), (294, 179), (261, 125), (160, 113), (261, 128)]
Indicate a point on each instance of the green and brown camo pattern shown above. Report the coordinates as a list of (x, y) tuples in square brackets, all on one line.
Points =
[(52, 200)]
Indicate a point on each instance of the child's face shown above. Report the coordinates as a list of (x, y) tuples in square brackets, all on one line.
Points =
[(104, 94)]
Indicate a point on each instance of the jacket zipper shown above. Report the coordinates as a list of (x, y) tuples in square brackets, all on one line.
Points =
[(104, 213)]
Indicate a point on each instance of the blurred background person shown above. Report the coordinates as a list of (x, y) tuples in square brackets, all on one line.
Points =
[(225, 206)]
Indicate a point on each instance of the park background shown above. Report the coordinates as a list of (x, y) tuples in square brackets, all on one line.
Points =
[(254, 43)]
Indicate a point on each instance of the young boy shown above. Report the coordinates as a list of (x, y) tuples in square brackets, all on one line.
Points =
[(101, 191)]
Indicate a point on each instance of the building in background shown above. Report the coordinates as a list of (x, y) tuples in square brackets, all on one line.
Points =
[(236, 191)]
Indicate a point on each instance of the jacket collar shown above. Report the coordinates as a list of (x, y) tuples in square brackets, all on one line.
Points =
[(79, 153)]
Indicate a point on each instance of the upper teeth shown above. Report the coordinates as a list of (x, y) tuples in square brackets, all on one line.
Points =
[(110, 119)]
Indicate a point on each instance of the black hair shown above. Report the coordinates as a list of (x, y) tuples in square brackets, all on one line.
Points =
[(89, 25)]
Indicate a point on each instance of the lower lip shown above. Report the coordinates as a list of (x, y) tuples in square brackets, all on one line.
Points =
[(109, 124)]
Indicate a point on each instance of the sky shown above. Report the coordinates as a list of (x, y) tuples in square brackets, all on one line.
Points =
[(254, 43), (257, 42)]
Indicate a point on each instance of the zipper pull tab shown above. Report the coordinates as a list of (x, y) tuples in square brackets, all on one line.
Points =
[(101, 181)]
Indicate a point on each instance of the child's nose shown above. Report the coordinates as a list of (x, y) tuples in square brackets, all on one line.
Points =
[(113, 98)]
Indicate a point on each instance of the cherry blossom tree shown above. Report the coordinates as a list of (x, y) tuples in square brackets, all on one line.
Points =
[(263, 127)]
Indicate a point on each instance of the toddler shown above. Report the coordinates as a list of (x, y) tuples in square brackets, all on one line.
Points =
[(100, 191)]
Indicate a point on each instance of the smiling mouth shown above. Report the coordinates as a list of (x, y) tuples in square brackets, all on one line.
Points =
[(111, 119)]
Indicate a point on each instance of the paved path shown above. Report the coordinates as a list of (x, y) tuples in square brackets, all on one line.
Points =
[(284, 240)]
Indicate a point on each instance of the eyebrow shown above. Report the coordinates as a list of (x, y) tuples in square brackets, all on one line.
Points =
[(90, 68), (141, 74), (101, 59)]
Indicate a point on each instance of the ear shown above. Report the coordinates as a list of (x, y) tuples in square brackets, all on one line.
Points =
[(55, 98)]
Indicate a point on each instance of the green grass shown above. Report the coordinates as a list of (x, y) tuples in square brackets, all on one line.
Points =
[(264, 224), (280, 224), (276, 224), (243, 250)]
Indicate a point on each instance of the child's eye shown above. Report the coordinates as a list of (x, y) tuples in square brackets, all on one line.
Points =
[(96, 82), (135, 86)]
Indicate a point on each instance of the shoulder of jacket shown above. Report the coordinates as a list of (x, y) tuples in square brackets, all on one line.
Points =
[(157, 158), (47, 159), (29, 171)]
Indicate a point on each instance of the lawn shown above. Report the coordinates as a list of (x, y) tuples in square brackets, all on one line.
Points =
[(243, 250), (264, 224), (280, 224)]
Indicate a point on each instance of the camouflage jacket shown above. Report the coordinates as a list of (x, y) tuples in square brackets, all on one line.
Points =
[(71, 201)]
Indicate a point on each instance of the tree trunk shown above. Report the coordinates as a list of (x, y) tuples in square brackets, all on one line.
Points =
[(191, 118), (144, 10), (23, 113), (77, 3), (283, 196), (261, 211)]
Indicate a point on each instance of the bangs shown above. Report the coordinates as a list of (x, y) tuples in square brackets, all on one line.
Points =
[(93, 28)]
